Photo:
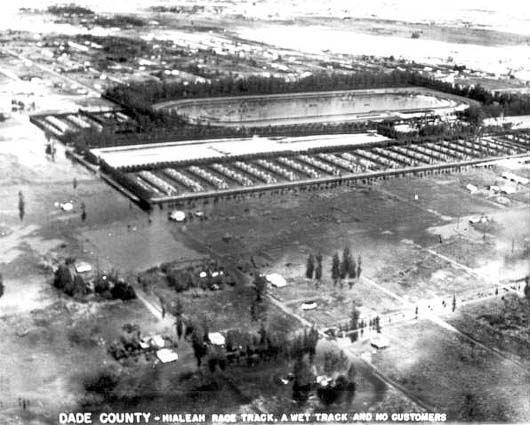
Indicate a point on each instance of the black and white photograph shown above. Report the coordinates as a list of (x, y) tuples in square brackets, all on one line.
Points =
[(264, 212)]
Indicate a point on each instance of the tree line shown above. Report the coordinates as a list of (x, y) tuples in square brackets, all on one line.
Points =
[(138, 97)]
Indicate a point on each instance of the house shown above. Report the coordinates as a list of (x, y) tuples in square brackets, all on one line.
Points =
[(217, 338), (178, 216), (82, 267), (472, 188), (276, 280), (167, 355), (157, 341)]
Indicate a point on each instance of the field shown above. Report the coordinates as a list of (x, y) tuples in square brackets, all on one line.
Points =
[(500, 323), (299, 108), (454, 375)]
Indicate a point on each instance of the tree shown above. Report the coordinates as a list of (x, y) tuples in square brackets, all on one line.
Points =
[(318, 271), (335, 267), (303, 379), (21, 205), (1, 285), (345, 265), (180, 326), (262, 334), (310, 343), (352, 272), (334, 361), (526, 288), (359, 268), (454, 302), (260, 285), (63, 277), (200, 349), (377, 323), (354, 324), (174, 307), (310, 266), (76, 287)]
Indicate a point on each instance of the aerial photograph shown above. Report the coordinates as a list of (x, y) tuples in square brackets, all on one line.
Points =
[(264, 212)]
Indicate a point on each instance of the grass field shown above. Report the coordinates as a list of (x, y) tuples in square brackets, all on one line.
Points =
[(453, 376)]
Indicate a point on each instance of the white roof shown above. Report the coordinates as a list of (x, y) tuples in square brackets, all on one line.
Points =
[(67, 206), (157, 341), (166, 355), (472, 188), (216, 338), (177, 215), (82, 267), (508, 189), (309, 305), (154, 153), (276, 280)]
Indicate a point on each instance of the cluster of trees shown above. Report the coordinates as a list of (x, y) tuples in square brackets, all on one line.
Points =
[(69, 9), (107, 286), (342, 390), (207, 275), (113, 287), (119, 21), (128, 344), (341, 269), (430, 131), (116, 48), (240, 347), (144, 94), (67, 280), (346, 267), (339, 390)]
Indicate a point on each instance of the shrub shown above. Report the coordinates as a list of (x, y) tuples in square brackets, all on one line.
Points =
[(123, 291), (63, 277), (102, 383)]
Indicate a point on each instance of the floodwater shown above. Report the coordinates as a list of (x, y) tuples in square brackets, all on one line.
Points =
[(307, 108), (318, 39)]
